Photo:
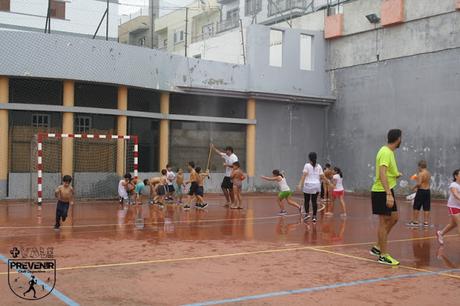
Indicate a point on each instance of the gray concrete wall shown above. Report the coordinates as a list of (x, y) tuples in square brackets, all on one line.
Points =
[(265, 78), (285, 134), (419, 94)]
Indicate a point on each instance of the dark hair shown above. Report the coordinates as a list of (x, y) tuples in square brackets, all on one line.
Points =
[(164, 171), (327, 165), (456, 172), (198, 169), (127, 176), (191, 164), (179, 169), (146, 182), (338, 171), (313, 157), (393, 135), (168, 166), (277, 173), (422, 164), (237, 164), (229, 148), (67, 178)]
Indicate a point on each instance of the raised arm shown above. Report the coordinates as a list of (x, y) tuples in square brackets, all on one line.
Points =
[(216, 150), (270, 178)]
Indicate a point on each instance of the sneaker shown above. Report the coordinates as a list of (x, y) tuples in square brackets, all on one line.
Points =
[(204, 205), (388, 260), (198, 205), (412, 224), (186, 207), (282, 213), (63, 219), (56, 227), (314, 219), (440, 238), (375, 251), (306, 218), (426, 224)]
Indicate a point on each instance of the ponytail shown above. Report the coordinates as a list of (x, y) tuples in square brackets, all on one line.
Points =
[(277, 173), (312, 157)]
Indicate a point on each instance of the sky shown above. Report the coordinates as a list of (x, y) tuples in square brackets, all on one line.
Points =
[(166, 6)]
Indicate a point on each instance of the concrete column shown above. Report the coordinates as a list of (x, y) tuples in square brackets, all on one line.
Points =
[(67, 128), (251, 141), (164, 131), (122, 124), (4, 97)]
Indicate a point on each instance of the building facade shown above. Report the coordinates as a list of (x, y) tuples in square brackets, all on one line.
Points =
[(78, 18), (176, 106)]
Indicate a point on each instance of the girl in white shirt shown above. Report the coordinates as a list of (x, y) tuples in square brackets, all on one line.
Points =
[(310, 184), (285, 192), (453, 204), (339, 191)]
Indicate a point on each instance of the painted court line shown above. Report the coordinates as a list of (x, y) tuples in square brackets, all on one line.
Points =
[(55, 292), (320, 288)]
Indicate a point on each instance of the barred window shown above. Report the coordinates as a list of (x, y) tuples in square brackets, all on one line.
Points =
[(41, 120)]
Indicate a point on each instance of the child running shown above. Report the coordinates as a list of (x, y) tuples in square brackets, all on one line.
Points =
[(237, 177), (180, 185), (65, 195), (422, 196), (338, 190), (285, 192), (453, 204)]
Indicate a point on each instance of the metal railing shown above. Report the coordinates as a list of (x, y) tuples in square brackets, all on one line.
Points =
[(228, 24), (281, 6)]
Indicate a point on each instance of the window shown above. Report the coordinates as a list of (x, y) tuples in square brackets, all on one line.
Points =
[(57, 9), (207, 30), (252, 7), (305, 52), (5, 5), (178, 36), (82, 124), (41, 120), (233, 14), (141, 41), (198, 56), (276, 48)]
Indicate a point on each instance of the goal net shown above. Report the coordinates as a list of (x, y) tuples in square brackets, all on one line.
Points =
[(94, 158)]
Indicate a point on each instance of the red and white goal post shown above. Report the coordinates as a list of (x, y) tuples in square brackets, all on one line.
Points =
[(41, 137)]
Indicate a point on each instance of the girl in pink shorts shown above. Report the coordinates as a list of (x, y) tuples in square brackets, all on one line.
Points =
[(339, 191), (453, 205)]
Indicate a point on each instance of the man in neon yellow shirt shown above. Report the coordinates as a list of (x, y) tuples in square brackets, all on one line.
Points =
[(383, 201)]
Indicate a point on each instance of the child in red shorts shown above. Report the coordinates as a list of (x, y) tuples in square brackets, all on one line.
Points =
[(453, 204), (338, 191)]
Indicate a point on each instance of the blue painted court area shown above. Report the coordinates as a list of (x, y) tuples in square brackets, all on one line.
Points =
[(320, 288)]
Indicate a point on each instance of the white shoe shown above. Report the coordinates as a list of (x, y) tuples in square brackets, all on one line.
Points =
[(440, 238)]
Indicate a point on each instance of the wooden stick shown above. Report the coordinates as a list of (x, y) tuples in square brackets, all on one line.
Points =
[(209, 156)]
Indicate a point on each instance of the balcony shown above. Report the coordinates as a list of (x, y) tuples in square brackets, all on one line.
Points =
[(294, 7), (226, 1), (228, 24)]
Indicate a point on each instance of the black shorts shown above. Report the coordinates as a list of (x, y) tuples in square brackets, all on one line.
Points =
[(171, 188), (227, 183), (422, 199), (379, 203), (199, 191), (161, 190), (193, 188)]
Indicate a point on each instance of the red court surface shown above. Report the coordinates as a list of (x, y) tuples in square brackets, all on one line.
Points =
[(147, 256)]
